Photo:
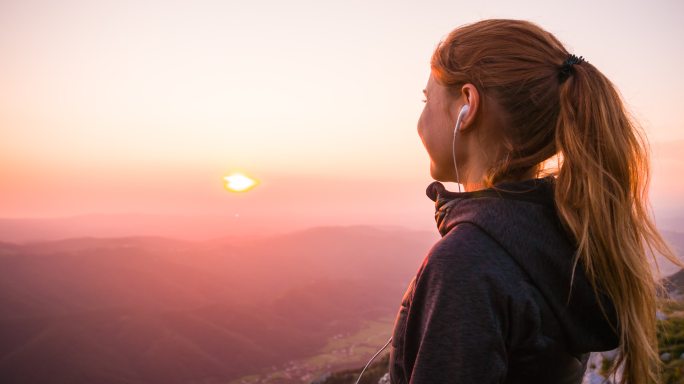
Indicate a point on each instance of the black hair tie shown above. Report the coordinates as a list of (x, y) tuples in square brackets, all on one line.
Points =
[(566, 67)]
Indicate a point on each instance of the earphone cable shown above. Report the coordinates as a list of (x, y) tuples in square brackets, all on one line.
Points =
[(453, 154), (369, 361)]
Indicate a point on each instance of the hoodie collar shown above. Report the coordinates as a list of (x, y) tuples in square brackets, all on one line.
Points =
[(538, 191)]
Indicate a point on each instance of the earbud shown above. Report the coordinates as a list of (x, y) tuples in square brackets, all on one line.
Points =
[(464, 110)]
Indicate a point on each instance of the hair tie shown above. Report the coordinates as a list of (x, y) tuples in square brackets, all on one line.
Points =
[(566, 67)]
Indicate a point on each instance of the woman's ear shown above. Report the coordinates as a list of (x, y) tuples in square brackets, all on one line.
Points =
[(470, 96)]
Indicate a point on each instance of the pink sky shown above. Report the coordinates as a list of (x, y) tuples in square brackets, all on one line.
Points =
[(143, 106)]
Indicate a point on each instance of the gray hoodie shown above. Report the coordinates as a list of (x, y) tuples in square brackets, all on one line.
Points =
[(489, 304)]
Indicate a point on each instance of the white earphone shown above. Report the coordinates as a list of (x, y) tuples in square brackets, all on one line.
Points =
[(464, 110)]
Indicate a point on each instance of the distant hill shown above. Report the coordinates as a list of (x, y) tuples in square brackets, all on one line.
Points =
[(194, 227), (150, 309), (675, 283), (676, 242)]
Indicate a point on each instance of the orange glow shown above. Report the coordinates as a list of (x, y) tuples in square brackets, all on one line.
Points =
[(110, 108)]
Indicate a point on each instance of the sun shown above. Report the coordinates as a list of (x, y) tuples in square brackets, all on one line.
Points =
[(237, 182)]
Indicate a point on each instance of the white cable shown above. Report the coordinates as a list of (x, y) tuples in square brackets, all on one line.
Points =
[(369, 361), (453, 153)]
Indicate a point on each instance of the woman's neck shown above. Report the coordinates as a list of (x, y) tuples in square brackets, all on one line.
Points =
[(476, 184)]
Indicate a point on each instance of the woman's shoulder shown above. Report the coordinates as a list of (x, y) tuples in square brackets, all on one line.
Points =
[(469, 250), (468, 247)]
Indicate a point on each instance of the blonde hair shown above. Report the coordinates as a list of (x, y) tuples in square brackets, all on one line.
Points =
[(603, 176)]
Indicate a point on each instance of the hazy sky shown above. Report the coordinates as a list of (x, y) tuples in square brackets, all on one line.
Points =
[(142, 106)]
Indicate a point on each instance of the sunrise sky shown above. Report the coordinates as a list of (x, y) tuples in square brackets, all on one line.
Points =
[(143, 106)]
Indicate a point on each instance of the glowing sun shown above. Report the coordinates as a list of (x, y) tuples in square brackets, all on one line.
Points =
[(237, 182)]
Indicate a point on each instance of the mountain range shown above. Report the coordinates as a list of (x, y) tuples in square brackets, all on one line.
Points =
[(156, 310)]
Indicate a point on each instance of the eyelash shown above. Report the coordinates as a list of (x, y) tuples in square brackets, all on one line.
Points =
[(424, 100)]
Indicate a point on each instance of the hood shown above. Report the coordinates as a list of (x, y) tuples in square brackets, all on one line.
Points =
[(522, 217)]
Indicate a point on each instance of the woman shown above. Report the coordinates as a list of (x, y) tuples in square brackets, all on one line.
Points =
[(534, 270)]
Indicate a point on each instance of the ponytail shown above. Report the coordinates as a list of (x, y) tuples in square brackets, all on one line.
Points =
[(573, 112), (601, 192)]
